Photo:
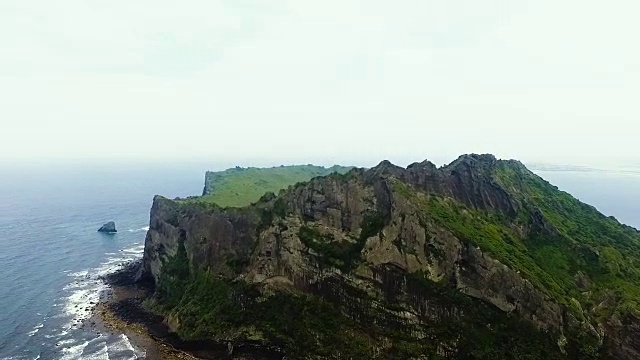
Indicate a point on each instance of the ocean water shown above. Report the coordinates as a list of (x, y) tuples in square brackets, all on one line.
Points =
[(613, 193), (51, 255)]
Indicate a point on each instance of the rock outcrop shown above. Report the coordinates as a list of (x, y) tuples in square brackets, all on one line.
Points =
[(109, 227), (423, 261)]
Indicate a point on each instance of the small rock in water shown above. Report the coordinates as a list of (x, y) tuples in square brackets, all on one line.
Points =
[(109, 228)]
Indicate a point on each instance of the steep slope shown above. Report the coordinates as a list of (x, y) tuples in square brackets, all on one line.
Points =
[(479, 259), (242, 186)]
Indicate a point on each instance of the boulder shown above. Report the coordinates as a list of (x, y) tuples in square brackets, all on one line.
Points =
[(109, 227)]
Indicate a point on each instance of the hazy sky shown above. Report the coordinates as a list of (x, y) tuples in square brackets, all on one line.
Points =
[(333, 81)]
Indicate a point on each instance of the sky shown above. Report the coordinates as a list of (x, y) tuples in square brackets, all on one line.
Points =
[(320, 81)]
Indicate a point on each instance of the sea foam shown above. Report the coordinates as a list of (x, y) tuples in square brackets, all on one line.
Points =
[(85, 292)]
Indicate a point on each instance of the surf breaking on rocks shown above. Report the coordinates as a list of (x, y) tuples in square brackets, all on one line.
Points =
[(68, 332)]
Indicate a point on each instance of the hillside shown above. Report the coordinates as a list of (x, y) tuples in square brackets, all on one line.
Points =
[(238, 186), (478, 259)]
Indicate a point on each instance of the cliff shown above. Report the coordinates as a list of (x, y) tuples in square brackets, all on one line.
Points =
[(479, 259), (243, 186)]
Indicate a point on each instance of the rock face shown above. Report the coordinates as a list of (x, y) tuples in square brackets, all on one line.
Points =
[(109, 227), (424, 262)]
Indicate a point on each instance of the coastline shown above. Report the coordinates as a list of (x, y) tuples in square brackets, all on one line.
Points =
[(121, 312)]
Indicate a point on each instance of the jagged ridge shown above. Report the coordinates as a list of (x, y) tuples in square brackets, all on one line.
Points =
[(416, 260)]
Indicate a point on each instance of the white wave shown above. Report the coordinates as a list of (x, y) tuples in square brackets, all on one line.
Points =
[(97, 349), (64, 343), (102, 354), (123, 346), (35, 329), (111, 261), (79, 274), (80, 303), (134, 250), (75, 285), (73, 352), (83, 293), (146, 228), (88, 288), (63, 333), (112, 267)]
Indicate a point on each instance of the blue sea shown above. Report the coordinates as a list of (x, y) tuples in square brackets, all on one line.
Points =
[(51, 256)]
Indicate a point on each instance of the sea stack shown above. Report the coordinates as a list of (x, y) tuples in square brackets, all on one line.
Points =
[(109, 227)]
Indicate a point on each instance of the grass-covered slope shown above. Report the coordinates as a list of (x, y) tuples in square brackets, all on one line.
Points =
[(238, 187), (583, 259), (357, 300), (589, 257)]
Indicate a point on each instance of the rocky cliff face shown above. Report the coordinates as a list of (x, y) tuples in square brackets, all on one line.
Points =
[(412, 258)]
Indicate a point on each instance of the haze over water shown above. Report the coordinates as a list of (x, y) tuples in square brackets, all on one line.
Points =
[(51, 254)]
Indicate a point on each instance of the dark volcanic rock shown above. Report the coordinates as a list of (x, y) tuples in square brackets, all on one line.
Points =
[(421, 255), (109, 227)]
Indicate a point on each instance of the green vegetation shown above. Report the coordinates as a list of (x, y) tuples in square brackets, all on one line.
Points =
[(484, 231), (586, 241), (211, 308), (239, 187), (343, 254), (507, 337), (588, 263), (308, 326), (577, 239)]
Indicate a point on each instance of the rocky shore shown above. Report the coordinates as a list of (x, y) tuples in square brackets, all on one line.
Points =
[(122, 311)]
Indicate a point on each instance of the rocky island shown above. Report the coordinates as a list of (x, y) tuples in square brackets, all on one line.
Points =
[(109, 228), (478, 259)]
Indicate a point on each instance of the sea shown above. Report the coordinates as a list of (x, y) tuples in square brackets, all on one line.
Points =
[(52, 257)]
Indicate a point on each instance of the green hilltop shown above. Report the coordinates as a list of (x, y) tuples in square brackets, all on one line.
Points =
[(478, 259), (237, 187)]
